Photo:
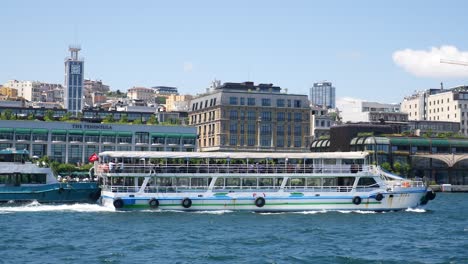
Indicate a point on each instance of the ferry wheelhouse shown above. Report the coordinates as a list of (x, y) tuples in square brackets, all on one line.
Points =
[(252, 182)]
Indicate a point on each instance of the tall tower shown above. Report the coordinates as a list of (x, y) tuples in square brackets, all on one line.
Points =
[(323, 94), (74, 78)]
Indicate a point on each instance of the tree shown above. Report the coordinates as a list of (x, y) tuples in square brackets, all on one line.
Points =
[(152, 120), (397, 167), (8, 114), (49, 115), (123, 119), (31, 116), (386, 166), (108, 119), (137, 121), (66, 117)]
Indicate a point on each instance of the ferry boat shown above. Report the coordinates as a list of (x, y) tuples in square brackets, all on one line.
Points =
[(23, 181), (260, 182)]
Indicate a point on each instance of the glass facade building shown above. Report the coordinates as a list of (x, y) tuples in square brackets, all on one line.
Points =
[(323, 94)]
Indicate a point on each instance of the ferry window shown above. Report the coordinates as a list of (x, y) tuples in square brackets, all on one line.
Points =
[(329, 161), (266, 182), (278, 182), (329, 181), (346, 181), (182, 182), (366, 181), (249, 182), (297, 182), (232, 182), (313, 182), (164, 181), (219, 182), (199, 182)]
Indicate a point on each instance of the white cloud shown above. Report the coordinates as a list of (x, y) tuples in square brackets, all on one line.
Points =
[(426, 63), (188, 66)]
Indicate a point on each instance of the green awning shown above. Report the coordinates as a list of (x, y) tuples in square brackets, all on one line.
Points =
[(59, 132), (125, 134), (458, 143), (92, 133), (108, 133), (189, 135), (174, 135), (75, 132), (420, 142), (23, 131), (40, 131), (4, 129), (400, 141), (440, 142), (158, 135)]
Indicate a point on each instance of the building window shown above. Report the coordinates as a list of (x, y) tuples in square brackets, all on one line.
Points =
[(251, 115), (298, 117), (266, 116), (233, 114), (242, 101), (233, 140), (280, 116), (266, 102), (280, 103), (233, 100), (233, 128), (141, 137), (251, 140), (251, 101), (297, 103)]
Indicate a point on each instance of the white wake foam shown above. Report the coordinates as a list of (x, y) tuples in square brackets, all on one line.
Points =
[(37, 207), (415, 210)]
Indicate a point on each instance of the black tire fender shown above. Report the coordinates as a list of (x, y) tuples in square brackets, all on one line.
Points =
[(379, 197), (186, 202), (260, 201), (153, 203), (118, 203), (357, 200)]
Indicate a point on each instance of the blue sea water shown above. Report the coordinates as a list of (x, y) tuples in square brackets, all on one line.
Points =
[(83, 233)]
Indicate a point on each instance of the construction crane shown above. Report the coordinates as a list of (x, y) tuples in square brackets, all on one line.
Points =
[(454, 62)]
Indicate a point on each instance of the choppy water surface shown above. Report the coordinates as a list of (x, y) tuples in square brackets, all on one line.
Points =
[(79, 233)]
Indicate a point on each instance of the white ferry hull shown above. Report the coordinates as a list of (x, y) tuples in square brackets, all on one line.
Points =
[(273, 202)]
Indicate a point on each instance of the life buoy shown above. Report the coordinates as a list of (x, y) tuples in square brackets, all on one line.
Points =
[(153, 203), (357, 200), (118, 203), (186, 202), (406, 184), (379, 197), (260, 202), (430, 195)]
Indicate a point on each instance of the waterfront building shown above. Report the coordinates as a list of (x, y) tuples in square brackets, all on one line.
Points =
[(95, 92), (75, 142), (8, 92), (248, 117), (356, 110), (165, 90), (74, 79), (321, 121), (178, 102), (323, 94), (140, 93), (24, 88), (448, 105)]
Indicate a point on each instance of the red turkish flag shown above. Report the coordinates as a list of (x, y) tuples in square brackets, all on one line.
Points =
[(93, 158)]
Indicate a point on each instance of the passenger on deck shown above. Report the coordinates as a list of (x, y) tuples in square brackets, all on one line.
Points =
[(111, 166)]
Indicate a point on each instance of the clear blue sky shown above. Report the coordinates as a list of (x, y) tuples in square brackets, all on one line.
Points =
[(189, 43)]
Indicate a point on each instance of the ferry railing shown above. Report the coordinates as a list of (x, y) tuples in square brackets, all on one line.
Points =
[(105, 169)]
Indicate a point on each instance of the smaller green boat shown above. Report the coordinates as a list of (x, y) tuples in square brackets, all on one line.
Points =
[(22, 181)]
